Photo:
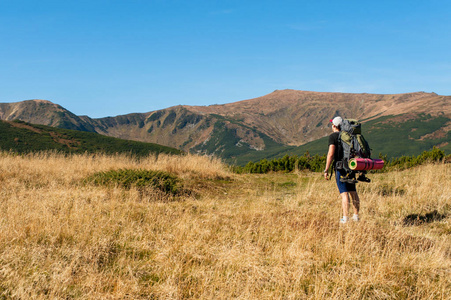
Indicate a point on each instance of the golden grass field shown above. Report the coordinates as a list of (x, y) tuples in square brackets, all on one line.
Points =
[(272, 236)]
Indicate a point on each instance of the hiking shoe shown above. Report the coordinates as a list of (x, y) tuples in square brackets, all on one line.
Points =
[(348, 180), (355, 218), (363, 178)]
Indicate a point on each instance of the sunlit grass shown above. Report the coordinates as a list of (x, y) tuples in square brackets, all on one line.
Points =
[(273, 236)]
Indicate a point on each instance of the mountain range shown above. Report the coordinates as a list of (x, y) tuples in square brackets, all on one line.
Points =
[(282, 122)]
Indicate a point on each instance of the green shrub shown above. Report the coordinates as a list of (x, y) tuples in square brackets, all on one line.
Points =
[(128, 178), (285, 164), (405, 162), (317, 163)]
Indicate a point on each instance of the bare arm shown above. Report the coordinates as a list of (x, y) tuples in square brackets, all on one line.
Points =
[(329, 159)]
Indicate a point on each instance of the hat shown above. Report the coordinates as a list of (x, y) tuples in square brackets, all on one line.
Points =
[(336, 121)]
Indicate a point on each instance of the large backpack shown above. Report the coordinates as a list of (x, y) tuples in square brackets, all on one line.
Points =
[(353, 145)]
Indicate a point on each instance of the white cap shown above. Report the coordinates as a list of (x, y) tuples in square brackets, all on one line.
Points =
[(336, 121)]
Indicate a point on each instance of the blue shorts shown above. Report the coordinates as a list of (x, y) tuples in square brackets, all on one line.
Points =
[(343, 186)]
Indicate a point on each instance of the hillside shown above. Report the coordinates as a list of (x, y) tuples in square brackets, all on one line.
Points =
[(229, 236), (285, 121), (296, 117), (22, 137), (45, 113), (388, 135)]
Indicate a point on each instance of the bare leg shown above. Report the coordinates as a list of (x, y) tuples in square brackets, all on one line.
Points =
[(355, 202), (345, 203)]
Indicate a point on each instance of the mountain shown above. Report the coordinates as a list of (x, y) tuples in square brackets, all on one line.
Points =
[(285, 121), (25, 137), (43, 112)]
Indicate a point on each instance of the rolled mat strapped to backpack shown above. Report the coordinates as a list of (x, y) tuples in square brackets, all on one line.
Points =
[(360, 164)]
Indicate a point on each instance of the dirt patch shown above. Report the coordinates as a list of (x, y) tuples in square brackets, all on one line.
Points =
[(438, 134), (400, 119), (61, 140), (24, 126)]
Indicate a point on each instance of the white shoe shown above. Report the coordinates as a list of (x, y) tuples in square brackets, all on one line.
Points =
[(343, 221), (355, 218)]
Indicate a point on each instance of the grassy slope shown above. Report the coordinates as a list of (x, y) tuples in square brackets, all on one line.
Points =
[(223, 143), (30, 137), (397, 139), (392, 139), (273, 236)]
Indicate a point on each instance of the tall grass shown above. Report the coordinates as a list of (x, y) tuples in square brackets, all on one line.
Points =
[(237, 237)]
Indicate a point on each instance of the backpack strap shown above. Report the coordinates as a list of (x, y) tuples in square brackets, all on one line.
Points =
[(334, 163), (332, 170), (339, 147), (339, 151)]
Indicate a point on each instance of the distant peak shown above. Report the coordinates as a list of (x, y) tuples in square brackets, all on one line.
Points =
[(41, 101)]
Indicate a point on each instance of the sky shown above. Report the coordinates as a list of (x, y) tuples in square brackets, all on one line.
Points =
[(108, 57)]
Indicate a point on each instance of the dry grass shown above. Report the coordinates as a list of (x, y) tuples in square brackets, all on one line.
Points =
[(240, 237)]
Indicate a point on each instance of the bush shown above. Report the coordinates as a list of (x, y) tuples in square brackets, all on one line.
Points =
[(317, 163), (285, 164), (128, 178), (405, 162)]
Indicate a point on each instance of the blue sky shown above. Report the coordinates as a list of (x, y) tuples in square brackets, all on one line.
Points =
[(107, 57)]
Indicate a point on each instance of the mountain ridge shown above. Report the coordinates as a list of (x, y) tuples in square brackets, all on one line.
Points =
[(277, 122), (324, 106)]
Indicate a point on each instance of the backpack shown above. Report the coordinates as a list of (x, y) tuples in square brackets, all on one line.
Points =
[(353, 145)]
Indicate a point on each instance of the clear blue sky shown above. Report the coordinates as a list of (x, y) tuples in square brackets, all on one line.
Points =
[(107, 57)]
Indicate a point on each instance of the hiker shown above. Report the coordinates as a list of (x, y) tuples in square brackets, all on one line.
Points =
[(346, 189)]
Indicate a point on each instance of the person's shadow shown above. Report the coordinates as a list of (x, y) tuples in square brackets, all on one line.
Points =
[(417, 219)]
